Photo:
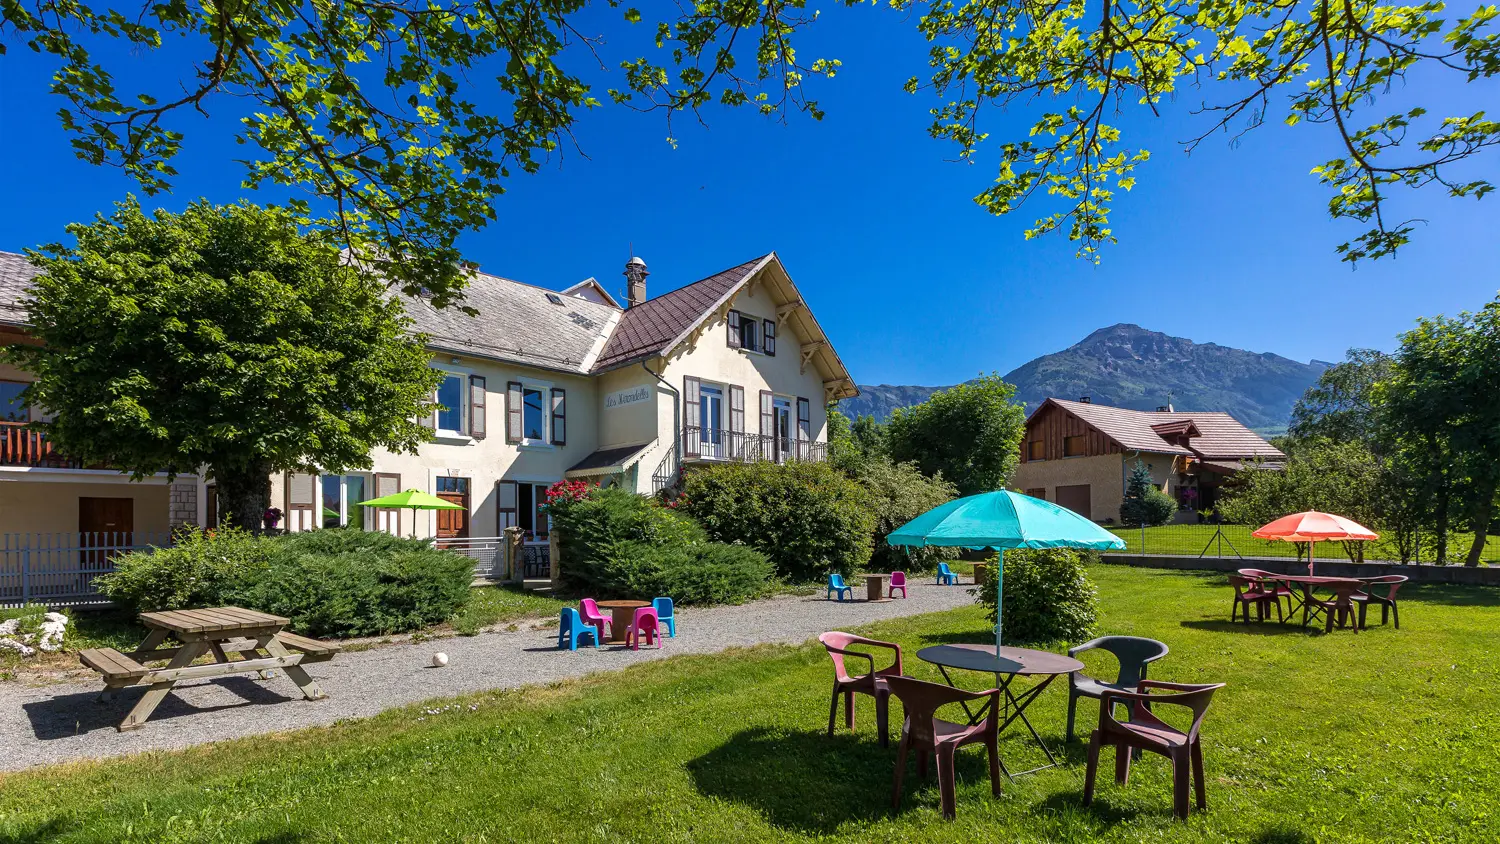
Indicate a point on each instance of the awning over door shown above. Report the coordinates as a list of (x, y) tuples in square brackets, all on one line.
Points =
[(608, 461)]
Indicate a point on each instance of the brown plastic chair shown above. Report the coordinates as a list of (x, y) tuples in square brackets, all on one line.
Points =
[(926, 733), (872, 682), (1247, 594), (1145, 731), (1340, 606), (1271, 582), (1388, 608)]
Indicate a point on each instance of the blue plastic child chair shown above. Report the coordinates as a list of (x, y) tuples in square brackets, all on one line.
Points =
[(946, 576), (571, 627), (836, 586), (664, 615)]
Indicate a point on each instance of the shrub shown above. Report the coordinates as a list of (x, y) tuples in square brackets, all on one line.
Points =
[(348, 582), (1048, 596), (900, 493), (590, 525), (703, 573), (807, 518), (1145, 503), (195, 572), (340, 582)]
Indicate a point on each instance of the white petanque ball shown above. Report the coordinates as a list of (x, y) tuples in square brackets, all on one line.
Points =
[(439, 660)]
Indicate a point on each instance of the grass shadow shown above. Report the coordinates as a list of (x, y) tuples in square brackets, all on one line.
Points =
[(1268, 628), (37, 833), (65, 716), (1282, 834), (1102, 811), (803, 780)]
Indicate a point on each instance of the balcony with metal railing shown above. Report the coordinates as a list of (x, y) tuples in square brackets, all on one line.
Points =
[(741, 447)]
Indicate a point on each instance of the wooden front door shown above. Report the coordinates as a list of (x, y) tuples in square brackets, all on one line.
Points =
[(104, 523), (453, 524)]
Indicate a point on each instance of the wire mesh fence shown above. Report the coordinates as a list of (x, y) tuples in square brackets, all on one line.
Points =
[(1212, 541)]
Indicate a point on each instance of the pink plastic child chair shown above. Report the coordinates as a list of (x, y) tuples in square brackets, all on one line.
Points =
[(646, 622), (898, 581), (593, 616)]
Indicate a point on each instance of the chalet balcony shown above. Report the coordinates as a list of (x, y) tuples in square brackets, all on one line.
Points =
[(704, 444), (21, 445)]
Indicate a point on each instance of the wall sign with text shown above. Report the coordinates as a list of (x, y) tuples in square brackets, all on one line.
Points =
[(626, 398)]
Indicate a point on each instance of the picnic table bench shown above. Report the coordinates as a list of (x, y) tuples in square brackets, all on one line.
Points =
[(259, 639)]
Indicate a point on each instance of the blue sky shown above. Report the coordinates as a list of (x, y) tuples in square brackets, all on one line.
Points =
[(914, 283)]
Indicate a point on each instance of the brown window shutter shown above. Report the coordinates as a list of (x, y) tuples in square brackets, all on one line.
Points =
[(505, 506), (477, 421), (734, 330), (768, 339), (804, 427), (736, 421), (690, 403), (559, 416), (387, 519), (301, 496), (513, 411)]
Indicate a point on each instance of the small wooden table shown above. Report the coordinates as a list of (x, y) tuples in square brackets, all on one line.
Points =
[(219, 631), (1009, 664), (622, 615), (875, 587)]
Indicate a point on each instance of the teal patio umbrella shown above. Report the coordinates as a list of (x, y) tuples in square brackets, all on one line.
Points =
[(1002, 520)]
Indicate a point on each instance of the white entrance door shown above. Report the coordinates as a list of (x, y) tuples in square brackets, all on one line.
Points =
[(711, 422)]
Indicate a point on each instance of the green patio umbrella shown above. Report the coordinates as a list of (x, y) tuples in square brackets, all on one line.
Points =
[(1002, 520), (413, 500)]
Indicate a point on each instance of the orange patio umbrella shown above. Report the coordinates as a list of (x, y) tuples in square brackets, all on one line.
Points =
[(1313, 527)]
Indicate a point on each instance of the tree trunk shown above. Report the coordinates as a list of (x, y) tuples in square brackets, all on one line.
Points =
[(1481, 526), (244, 493)]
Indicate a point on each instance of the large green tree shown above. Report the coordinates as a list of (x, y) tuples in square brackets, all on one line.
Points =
[(1341, 406), (221, 337), (971, 434), (404, 118)]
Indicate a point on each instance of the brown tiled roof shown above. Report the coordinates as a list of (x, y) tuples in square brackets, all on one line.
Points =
[(651, 326), (1220, 436), (1180, 426)]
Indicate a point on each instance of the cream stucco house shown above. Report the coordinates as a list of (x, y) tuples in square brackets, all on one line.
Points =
[(540, 385)]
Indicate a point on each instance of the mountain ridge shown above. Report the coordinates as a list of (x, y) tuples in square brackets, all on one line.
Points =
[(1125, 365)]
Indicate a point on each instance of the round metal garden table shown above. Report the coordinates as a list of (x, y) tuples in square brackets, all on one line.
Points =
[(1007, 665)]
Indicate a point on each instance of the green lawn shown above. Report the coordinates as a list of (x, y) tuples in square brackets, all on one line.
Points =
[(1191, 540), (500, 604), (1383, 736)]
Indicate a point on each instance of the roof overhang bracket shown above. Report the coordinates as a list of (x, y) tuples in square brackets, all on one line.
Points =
[(789, 308), (808, 350)]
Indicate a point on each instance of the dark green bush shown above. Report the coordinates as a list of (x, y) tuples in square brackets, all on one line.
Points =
[(807, 518), (346, 582), (702, 573), (900, 493), (328, 582), (1145, 503), (194, 572), (589, 524), (1048, 596)]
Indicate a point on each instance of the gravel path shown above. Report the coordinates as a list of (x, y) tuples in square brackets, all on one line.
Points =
[(42, 726)]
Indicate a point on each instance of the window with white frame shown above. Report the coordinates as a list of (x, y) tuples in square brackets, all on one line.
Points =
[(341, 495), (533, 415)]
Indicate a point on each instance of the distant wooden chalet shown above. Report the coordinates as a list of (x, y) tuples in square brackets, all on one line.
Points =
[(1079, 454)]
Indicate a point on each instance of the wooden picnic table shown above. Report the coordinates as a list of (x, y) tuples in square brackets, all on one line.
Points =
[(259, 639)]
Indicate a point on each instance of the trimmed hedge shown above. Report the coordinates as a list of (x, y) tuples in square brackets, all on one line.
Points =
[(808, 518), (333, 583), (619, 544), (1048, 595)]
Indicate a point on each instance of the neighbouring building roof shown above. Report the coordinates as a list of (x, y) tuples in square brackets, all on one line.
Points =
[(651, 327), (1219, 436), (607, 461), (16, 274)]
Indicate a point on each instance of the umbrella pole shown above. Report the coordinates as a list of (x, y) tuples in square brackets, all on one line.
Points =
[(999, 594), (1311, 548)]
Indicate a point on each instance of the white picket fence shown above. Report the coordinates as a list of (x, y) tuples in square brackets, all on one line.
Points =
[(58, 569)]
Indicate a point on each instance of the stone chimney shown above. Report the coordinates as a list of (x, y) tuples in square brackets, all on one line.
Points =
[(635, 282), (1084, 400)]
